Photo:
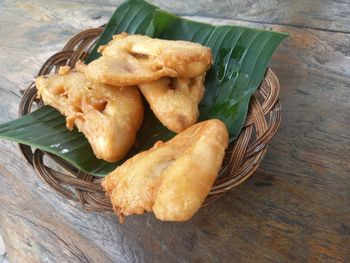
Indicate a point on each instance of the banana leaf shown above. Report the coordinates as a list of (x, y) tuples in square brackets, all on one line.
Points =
[(240, 57), (46, 129)]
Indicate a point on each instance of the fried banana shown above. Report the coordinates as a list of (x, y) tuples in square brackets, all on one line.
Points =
[(108, 116), (172, 179), (138, 59), (175, 101)]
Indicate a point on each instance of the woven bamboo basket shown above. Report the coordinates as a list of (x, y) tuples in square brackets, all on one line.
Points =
[(242, 157)]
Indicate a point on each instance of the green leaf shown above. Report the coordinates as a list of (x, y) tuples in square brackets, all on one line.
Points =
[(240, 56), (46, 129)]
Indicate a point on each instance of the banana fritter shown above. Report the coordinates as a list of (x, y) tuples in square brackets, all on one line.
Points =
[(108, 116), (172, 179), (138, 59), (175, 101)]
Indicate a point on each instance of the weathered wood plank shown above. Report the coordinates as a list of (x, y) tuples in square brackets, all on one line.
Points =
[(295, 208), (324, 14)]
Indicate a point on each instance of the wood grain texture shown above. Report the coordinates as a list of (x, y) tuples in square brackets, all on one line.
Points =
[(294, 209), (322, 14)]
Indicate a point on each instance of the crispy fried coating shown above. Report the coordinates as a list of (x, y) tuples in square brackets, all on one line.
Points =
[(137, 59), (108, 116), (175, 101), (171, 179)]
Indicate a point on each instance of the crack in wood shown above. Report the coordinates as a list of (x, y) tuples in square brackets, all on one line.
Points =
[(80, 255)]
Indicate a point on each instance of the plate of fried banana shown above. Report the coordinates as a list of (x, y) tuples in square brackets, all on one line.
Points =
[(103, 99)]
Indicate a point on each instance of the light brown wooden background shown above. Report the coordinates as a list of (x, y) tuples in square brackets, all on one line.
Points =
[(296, 208)]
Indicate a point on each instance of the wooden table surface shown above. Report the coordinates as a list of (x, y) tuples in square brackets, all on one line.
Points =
[(295, 208)]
